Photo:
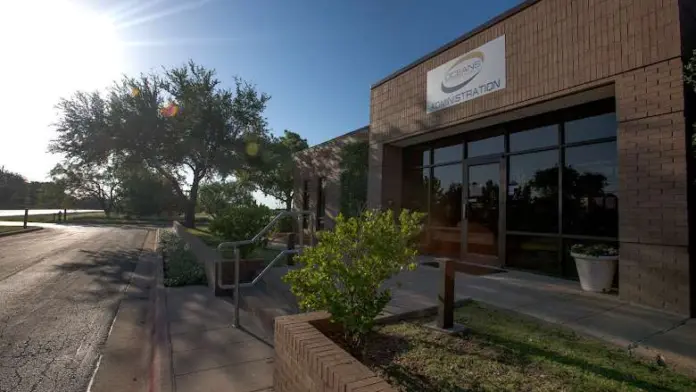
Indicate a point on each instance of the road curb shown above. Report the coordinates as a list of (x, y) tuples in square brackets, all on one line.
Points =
[(160, 378), (127, 353), (21, 231)]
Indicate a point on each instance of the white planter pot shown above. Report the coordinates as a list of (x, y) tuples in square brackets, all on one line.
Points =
[(596, 273)]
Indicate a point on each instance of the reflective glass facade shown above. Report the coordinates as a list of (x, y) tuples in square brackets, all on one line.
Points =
[(534, 188)]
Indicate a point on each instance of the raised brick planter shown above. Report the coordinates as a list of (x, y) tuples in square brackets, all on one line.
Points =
[(308, 361)]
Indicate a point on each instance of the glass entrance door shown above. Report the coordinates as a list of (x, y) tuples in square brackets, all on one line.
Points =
[(481, 211)]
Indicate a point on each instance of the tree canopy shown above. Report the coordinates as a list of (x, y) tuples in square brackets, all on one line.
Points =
[(182, 124), (273, 172)]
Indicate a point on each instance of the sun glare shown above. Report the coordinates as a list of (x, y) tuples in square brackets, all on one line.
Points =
[(65, 46)]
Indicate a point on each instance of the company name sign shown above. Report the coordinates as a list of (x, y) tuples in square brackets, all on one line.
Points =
[(469, 76)]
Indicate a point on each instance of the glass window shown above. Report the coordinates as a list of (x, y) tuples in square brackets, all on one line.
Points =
[(447, 154), (590, 185), (446, 196), (488, 146), (589, 128), (533, 192), (539, 254), (534, 138), (415, 189)]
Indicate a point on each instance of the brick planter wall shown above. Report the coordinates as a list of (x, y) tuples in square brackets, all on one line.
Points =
[(308, 361)]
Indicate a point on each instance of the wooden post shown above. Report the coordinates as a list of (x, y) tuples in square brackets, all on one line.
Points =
[(445, 306), (65, 214), (26, 217)]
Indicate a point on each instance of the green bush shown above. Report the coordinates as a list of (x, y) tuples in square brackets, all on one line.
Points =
[(181, 267), (344, 273), (241, 223)]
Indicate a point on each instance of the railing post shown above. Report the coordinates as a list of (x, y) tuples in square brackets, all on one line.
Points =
[(300, 224), (236, 287)]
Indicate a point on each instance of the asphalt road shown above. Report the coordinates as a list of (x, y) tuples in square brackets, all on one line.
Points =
[(59, 292)]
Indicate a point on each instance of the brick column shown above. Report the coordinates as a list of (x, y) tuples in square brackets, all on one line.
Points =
[(653, 229), (384, 177)]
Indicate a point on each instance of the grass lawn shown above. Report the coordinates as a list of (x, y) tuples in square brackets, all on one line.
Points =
[(101, 218), (7, 229), (509, 352), (49, 217)]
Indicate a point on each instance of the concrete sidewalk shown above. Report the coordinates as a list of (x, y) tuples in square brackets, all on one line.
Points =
[(207, 352)]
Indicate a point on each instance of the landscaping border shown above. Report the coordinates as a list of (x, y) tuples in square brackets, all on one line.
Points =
[(306, 360), (20, 231)]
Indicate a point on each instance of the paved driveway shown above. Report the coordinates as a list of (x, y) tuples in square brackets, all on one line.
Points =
[(60, 288)]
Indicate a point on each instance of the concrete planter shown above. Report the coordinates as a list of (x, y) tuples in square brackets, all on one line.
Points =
[(248, 269), (596, 273)]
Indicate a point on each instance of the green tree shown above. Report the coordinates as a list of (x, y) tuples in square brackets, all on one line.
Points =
[(13, 189), (145, 193), (273, 173), (181, 123), (345, 273), (217, 197), (99, 182)]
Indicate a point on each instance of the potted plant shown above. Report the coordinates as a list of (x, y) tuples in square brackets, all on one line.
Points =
[(596, 265)]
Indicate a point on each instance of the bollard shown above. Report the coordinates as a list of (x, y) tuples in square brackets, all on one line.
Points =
[(26, 217), (445, 305)]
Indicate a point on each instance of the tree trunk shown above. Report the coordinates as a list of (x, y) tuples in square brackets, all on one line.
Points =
[(190, 212)]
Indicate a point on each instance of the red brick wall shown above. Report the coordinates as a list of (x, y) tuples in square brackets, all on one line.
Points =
[(324, 161), (558, 47), (307, 361), (552, 47)]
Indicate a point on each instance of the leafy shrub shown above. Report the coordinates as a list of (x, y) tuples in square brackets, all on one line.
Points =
[(594, 250), (344, 273), (240, 223), (181, 267)]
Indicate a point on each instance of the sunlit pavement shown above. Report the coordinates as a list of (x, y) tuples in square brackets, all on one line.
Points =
[(60, 288)]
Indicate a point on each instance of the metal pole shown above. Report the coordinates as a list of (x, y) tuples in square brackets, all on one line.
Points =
[(26, 217), (300, 223), (236, 287)]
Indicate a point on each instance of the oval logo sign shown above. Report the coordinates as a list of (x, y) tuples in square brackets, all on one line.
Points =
[(462, 72)]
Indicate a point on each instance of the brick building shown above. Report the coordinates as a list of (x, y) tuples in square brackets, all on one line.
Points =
[(555, 123), (318, 177)]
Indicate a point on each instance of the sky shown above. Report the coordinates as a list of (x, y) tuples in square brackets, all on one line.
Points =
[(317, 59)]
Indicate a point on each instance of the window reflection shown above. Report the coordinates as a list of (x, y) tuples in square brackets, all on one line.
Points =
[(590, 184), (446, 197), (447, 154), (415, 190), (534, 138), (533, 192), (533, 253), (483, 147), (589, 128)]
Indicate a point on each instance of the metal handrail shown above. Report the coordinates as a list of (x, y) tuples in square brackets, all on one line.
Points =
[(236, 244)]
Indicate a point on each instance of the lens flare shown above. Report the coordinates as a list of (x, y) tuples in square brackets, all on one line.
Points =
[(170, 110), (252, 149)]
